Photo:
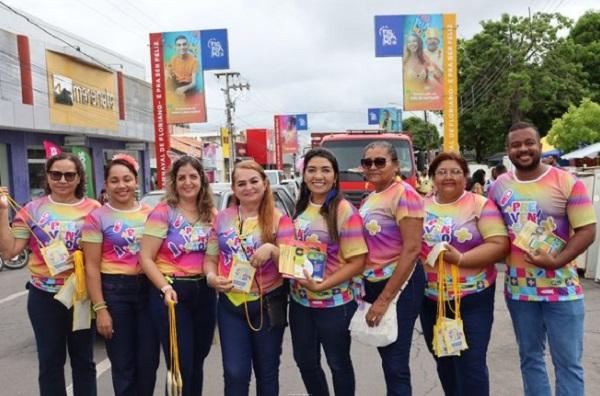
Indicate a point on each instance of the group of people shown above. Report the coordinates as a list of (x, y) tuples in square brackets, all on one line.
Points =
[(137, 260)]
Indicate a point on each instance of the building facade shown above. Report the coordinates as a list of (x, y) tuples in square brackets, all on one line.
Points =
[(75, 98)]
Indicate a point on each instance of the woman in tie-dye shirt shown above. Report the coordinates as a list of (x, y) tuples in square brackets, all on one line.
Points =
[(56, 216), (391, 215), (251, 325), (116, 285), (177, 237), (473, 230), (320, 313)]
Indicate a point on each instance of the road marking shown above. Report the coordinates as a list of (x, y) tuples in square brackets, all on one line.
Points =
[(13, 296), (101, 368)]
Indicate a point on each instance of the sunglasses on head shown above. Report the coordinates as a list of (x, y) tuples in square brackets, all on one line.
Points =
[(379, 162), (56, 175)]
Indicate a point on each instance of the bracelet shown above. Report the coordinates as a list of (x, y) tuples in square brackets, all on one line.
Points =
[(166, 288), (99, 306), (460, 258)]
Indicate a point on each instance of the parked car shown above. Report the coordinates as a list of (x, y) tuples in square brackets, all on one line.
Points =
[(223, 195)]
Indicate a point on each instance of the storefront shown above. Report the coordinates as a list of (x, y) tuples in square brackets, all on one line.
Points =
[(78, 105)]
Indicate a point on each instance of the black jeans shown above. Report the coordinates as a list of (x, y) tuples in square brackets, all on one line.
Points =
[(134, 348), (396, 356), (196, 316), (52, 323)]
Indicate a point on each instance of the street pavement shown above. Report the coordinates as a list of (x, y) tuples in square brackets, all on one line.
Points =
[(18, 362)]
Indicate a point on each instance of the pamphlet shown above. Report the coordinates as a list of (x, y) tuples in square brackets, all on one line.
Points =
[(241, 274), (297, 256), (534, 237)]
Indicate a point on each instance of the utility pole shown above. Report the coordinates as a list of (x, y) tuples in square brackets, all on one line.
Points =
[(230, 85)]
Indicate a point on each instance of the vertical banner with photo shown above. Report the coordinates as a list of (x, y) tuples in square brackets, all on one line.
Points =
[(86, 160), (288, 133), (159, 107), (450, 85), (215, 49), (423, 62), (278, 150), (184, 81)]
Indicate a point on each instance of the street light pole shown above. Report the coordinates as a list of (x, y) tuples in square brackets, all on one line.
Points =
[(230, 109)]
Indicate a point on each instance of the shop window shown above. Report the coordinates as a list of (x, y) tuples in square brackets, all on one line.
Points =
[(36, 162)]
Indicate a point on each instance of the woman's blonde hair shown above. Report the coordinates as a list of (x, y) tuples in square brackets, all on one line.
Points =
[(266, 210), (204, 201)]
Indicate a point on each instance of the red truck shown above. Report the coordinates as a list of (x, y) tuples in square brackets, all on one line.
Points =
[(348, 147)]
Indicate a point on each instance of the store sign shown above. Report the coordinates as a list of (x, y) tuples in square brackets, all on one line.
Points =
[(81, 94)]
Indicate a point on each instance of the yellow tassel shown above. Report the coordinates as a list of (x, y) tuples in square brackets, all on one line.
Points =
[(80, 290)]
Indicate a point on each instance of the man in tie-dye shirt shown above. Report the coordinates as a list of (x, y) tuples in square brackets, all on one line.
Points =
[(542, 290)]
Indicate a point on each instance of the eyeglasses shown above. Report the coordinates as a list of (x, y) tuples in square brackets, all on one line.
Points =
[(56, 176), (379, 162), (445, 172)]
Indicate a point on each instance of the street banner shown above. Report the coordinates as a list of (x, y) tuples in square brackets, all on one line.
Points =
[(51, 149), (183, 79), (423, 62), (159, 107), (278, 149), (288, 133), (215, 49), (301, 122), (388, 118), (389, 35), (450, 85), (86, 160)]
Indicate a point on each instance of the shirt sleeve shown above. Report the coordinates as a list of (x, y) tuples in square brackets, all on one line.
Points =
[(285, 230), (157, 223), (92, 229), (21, 223), (212, 246), (350, 230), (490, 222), (580, 209), (409, 204)]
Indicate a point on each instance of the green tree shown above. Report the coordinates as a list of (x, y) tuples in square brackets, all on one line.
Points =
[(425, 135), (515, 69), (586, 37), (578, 126)]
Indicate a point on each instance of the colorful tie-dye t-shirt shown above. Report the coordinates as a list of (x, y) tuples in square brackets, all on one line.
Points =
[(227, 228), (556, 201), (184, 244), (311, 226), (119, 232), (51, 220), (465, 224), (381, 213)]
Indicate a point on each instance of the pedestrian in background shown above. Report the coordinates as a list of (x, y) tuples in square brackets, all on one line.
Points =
[(177, 236), (472, 229), (320, 312), (391, 214), (56, 218), (251, 325), (116, 284), (550, 210)]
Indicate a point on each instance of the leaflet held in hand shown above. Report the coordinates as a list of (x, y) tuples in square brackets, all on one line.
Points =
[(297, 256)]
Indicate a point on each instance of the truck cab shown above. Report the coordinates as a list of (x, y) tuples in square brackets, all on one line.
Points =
[(347, 148)]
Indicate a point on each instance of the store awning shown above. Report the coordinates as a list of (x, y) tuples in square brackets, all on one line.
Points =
[(589, 151)]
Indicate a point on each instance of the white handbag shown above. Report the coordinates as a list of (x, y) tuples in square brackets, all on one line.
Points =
[(387, 331)]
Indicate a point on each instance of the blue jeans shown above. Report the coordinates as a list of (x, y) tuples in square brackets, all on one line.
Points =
[(242, 349), (313, 327), (134, 348), (560, 322), (52, 323), (196, 315), (396, 356), (466, 374)]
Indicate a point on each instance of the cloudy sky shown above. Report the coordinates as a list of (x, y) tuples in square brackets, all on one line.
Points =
[(299, 56)]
